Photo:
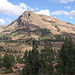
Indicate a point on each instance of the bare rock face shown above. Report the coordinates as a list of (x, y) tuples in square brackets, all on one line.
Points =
[(29, 23)]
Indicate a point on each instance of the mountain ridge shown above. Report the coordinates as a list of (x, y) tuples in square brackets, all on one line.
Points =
[(30, 23)]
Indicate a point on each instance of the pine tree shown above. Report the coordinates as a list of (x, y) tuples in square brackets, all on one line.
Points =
[(67, 57), (25, 57), (8, 61), (31, 60), (47, 55), (0, 61)]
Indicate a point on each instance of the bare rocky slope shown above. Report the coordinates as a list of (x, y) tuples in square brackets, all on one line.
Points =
[(29, 24)]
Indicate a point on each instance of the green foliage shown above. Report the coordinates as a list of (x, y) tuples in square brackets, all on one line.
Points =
[(17, 58), (8, 50), (11, 51), (58, 37), (21, 61), (6, 30), (20, 52), (67, 58), (1, 62), (47, 56), (8, 71), (8, 61), (45, 32), (10, 41), (2, 49), (14, 51), (41, 63), (18, 31), (38, 64), (32, 61), (28, 40), (57, 28), (8, 35), (45, 37)]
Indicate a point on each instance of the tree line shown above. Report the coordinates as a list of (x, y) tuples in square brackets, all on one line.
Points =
[(41, 62)]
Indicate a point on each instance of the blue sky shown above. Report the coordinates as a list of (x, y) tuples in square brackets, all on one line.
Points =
[(10, 10)]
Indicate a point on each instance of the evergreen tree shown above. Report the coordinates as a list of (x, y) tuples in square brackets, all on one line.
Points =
[(47, 56), (0, 61), (32, 59), (25, 57), (67, 58), (8, 61), (18, 58), (21, 61)]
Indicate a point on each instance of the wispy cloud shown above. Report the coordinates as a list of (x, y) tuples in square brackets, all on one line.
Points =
[(61, 12), (8, 8), (67, 7), (66, 1), (61, 1)]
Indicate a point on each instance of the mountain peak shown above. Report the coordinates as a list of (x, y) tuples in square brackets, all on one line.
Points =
[(29, 21), (28, 14)]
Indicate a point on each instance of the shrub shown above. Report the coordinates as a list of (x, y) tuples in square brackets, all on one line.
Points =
[(45, 31), (57, 28), (8, 71)]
